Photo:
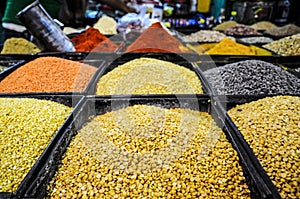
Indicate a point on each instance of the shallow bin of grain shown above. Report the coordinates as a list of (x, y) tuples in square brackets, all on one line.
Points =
[(149, 75), (271, 127), (252, 77), (27, 127), (148, 149), (47, 74)]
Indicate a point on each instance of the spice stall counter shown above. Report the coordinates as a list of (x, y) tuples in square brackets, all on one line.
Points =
[(79, 154), (256, 179)]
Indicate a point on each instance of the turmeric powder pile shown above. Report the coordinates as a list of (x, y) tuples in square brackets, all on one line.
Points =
[(229, 47)]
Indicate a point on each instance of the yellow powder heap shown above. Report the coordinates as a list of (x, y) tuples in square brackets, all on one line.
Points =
[(230, 47), (19, 46)]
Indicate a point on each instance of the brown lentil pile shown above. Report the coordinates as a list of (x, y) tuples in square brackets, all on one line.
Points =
[(225, 25), (271, 127), (148, 75), (48, 74), (263, 25), (283, 31), (286, 46), (204, 36), (241, 30), (150, 152), (27, 126)]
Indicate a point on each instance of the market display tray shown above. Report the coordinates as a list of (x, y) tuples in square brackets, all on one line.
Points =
[(289, 63), (170, 57), (79, 57), (72, 101), (97, 105), (227, 102)]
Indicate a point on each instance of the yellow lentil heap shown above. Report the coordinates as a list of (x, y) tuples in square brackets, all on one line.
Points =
[(229, 47), (149, 76), (271, 127), (19, 46), (26, 128), (150, 152)]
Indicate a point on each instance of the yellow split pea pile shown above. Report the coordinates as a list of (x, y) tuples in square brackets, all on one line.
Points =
[(150, 152), (271, 127), (149, 76), (26, 128)]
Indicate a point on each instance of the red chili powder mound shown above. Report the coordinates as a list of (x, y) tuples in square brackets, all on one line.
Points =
[(156, 39), (48, 74), (93, 40)]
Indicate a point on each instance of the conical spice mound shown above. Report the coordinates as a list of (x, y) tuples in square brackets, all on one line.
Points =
[(156, 39)]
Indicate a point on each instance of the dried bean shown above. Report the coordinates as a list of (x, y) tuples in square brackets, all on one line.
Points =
[(112, 156), (27, 126), (287, 46), (252, 77), (148, 75), (271, 127), (48, 74)]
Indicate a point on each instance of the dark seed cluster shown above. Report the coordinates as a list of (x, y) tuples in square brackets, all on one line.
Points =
[(252, 77)]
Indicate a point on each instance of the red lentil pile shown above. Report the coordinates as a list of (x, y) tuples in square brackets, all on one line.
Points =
[(48, 74)]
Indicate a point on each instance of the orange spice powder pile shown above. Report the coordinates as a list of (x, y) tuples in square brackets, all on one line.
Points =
[(156, 39)]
